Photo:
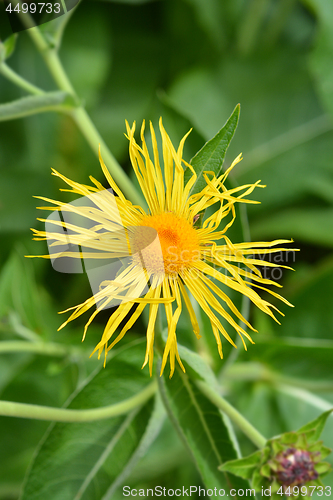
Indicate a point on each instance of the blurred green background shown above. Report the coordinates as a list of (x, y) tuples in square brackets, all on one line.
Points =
[(190, 61)]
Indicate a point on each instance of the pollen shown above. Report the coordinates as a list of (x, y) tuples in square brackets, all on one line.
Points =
[(177, 246)]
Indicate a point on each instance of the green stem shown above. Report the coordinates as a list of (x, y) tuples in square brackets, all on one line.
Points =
[(47, 349), (16, 327), (249, 27), (274, 28), (251, 432), (22, 410), (8, 73), (257, 372), (303, 395), (82, 119), (93, 138)]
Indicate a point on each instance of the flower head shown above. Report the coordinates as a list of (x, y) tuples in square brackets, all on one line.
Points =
[(167, 257)]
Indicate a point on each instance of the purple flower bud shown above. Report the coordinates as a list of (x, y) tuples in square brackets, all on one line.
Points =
[(295, 467)]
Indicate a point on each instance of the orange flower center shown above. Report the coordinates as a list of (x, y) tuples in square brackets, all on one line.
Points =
[(176, 247)]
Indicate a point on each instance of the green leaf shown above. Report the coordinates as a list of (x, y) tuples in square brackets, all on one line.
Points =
[(17, 205), (94, 52), (87, 461), (257, 481), (7, 47), (321, 57), (318, 425), (323, 468), (312, 315), (50, 101), (166, 455), (211, 17), (324, 451), (243, 467), (202, 427), (195, 364), (303, 359), (282, 151), (309, 225), (22, 301), (153, 428), (53, 30), (211, 155), (258, 405)]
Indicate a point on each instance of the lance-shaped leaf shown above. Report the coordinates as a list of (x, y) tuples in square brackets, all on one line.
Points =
[(7, 47), (317, 426), (243, 467), (54, 29), (202, 427), (50, 101), (86, 461), (211, 155)]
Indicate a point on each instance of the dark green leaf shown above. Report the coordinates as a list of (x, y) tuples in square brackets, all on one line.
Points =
[(50, 101), (7, 47), (167, 454), (198, 365), (81, 52), (87, 461), (321, 57), (22, 301), (211, 17), (195, 364), (258, 405), (211, 155), (153, 428), (17, 205), (300, 358), (279, 148), (311, 317), (202, 427), (309, 225)]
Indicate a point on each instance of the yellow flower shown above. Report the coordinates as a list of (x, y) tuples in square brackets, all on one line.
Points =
[(183, 258)]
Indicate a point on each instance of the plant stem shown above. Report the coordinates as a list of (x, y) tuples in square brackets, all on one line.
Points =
[(257, 372), (48, 349), (14, 322), (93, 138), (8, 73), (81, 117), (250, 25), (275, 26), (22, 410), (303, 395), (251, 432)]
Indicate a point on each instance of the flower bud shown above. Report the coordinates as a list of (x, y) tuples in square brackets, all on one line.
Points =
[(296, 467)]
